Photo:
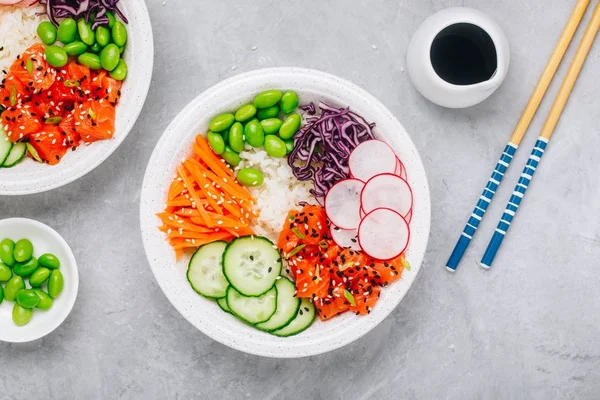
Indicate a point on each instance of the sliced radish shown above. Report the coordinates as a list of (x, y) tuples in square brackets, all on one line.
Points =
[(9, 2), (398, 170), (362, 213), (387, 191), (342, 203), (371, 158), (403, 174), (409, 216), (345, 237), (383, 234)]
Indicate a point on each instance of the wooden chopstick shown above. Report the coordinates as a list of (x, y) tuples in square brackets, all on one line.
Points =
[(518, 133), (546, 133)]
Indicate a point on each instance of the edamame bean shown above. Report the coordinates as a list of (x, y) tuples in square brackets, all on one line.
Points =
[(21, 316), (5, 272), (271, 125), (245, 113), (111, 19), (255, 135), (289, 102), (27, 298), (75, 48), (290, 126), (26, 268), (250, 177), (1, 294), (225, 135), (23, 250), (95, 48), (121, 49), (119, 34), (102, 36), (67, 31), (231, 157), (109, 57), (270, 112), (55, 284), (47, 32), (216, 142), (267, 99), (56, 56), (289, 145), (119, 73), (236, 137), (7, 248), (45, 300), (49, 260), (86, 34), (90, 60), (221, 122), (13, 286), (274, 146), (38, 278)]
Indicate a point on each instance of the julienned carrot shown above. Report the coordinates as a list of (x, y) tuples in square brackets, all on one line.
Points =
[(215, 163), (176, 188), (187, 243), (211, 194), (228, 185), (190, 187)]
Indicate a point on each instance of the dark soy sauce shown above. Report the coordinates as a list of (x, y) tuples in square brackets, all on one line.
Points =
[(464, 54)]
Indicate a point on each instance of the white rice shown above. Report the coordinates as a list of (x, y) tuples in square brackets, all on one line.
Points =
[(18, 27), (280, 192)]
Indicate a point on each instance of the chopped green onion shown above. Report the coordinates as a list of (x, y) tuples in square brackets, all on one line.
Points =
[(291, 218), (350, 298), (33, 152), (13, 96), (323, 244), (53, 120), (297, 232), (405, 264), (346, 266), (71, 83), (91, 113), (296, 251), (29, 66)]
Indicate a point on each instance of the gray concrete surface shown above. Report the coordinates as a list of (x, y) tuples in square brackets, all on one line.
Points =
[(528, 329)]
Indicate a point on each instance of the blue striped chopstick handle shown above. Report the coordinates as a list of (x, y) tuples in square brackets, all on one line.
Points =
[(481, 207), (515, 201)]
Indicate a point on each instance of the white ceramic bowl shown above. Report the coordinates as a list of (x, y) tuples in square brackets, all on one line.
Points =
[(45, 240), (175, 144), (30, 177)]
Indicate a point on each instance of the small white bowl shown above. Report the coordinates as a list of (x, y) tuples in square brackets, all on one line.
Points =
[(45, 240)]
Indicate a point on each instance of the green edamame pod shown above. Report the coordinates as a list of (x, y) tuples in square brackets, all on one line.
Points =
[(75, 48), (21, 316), (45, 300), (90, 60), (236, 137), (290, 126), (267, 99), (7, 248), (289, 102), (271, 125), (250, 177), (55, 284), (109, 57), (27, 298), (86, 34), (255, 135), (216, 142), (49, 260), (231, 157), (111, 19), (56, 56), (270, 112), (67, 31), (289, 145), (245, 113), (38, 278), (102, 36), (5, 272), (119, 73), (46, 32), (26, 268), (13, 286), (221, 122), (274, 146), (23, 250), (119, 34)]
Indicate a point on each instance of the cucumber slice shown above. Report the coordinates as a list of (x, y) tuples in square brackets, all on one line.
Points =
[(252, 309), (17, 153), (205, 270), (251, 264), (5, 145), (222, 302), (305, 317), (287, 306)]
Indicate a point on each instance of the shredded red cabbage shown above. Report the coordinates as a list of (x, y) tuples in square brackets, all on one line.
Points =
[(322, 147), (77, 8)]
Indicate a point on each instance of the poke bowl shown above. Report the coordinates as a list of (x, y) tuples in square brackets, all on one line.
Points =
[(243, 245), (65, 110)]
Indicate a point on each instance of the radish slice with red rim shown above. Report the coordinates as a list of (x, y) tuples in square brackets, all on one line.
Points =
[(371, 158), (409, 216), (342, 203), (398, 170), (383, 234), (403, 174), (387, 191), (347, 238)]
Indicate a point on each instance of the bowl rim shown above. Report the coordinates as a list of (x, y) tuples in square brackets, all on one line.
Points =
[(171, 132)]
